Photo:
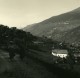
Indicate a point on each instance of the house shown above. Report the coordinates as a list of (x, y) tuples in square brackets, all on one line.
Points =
[(60, 53)]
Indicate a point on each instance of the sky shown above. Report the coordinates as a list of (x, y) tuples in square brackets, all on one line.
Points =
[(20, 13)]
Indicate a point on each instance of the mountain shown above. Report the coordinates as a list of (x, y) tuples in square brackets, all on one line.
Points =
[(57, 27), (72, 36)]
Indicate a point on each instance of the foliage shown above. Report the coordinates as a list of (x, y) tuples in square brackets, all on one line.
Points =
[(15, 40)]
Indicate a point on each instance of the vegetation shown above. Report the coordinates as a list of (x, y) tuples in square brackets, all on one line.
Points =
[(15, 40)]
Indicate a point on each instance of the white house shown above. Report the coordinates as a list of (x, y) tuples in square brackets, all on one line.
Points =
[(60, 53)]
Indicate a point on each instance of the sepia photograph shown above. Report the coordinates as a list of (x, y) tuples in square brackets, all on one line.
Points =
[(39, 38)]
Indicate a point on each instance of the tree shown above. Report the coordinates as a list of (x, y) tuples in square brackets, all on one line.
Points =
[(71, 58)]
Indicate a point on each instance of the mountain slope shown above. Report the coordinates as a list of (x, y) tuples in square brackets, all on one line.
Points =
[(56, 27), (72, 36)]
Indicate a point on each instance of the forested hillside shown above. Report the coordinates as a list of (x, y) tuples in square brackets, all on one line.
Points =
[(57, 27), (15, 40)]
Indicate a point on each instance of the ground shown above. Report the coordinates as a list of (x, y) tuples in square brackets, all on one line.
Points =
[(35, 65)]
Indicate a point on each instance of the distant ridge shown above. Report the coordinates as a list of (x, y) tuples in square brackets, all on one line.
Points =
[(57, 27)]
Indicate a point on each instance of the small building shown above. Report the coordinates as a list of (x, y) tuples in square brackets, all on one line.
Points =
[(60, 53)]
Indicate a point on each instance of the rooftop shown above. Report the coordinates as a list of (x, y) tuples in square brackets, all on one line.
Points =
[(59, 51)]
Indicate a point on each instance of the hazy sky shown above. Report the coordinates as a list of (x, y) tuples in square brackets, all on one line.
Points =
[(21, 13)]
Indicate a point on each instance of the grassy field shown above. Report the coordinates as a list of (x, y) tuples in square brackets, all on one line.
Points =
[(35, 65)]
